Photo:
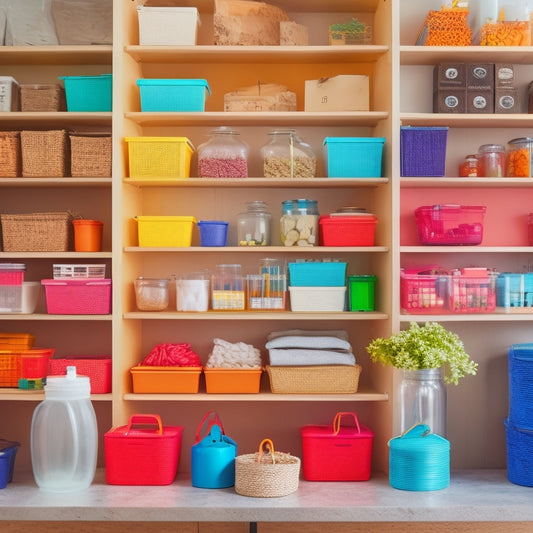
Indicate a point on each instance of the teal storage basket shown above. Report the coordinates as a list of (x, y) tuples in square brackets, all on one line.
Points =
[(173, 94), (354, 157), (419, 460), (213, 456), (89, 93), (317, 274)]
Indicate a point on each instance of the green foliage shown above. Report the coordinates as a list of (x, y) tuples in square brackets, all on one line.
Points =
[(428, 346), (353, 27)]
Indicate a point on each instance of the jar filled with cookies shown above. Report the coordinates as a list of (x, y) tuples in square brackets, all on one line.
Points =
[(299, 222)]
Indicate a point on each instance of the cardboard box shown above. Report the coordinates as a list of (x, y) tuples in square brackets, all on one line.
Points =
[(449, 75), (479, 101), (449, 101), (507, 100), (480, 76), (504, 75), (345, 92)]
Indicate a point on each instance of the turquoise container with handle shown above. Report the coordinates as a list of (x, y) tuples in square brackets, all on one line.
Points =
[(419, 460)]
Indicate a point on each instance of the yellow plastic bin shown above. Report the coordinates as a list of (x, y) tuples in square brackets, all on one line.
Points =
[(163, 231)]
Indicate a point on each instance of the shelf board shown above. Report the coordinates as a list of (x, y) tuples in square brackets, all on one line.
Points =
[(458, 183), (470, 317), (257, 54), (57, 255), (57, 55), (363, 395), (288, 183), (263, 118), (257, 315), (260, 249), (54, 119), (55, 182), (432, 55), (468, 120), (465, 249), (55, 318), (38, 395)]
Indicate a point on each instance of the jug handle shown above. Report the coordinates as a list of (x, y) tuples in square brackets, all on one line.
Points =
[(337, 421), (145, 420), (206, 424), (75, 438)]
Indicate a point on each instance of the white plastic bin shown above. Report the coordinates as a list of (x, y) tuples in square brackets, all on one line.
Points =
[(168, 25)]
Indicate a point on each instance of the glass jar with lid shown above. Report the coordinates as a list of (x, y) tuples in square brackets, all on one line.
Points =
[(519, 160), (299, 222), (491, 159), (287, 156), (224, 155), (253, 226)]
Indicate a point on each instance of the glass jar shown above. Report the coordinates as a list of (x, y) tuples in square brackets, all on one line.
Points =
[(469, 167), (423, 400), (151, 294), (299, 222), (253, 226), (287, 156), (491, 159), (519, 161), (223, 155)]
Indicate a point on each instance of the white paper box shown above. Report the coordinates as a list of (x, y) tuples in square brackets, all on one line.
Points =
[(345, 92), (9, 94), (317, 298), (168, 25)]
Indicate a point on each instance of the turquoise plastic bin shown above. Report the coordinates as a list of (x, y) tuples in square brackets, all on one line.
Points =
[(89, 93), (173, 94), (354, 157)]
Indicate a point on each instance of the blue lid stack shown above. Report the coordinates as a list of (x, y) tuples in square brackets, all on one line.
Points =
[(519, 423)]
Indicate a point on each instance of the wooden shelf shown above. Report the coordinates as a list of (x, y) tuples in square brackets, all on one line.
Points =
[(456, 120), (260, 249), (55, 182), (459, 183), (55, 119), (56, 55)]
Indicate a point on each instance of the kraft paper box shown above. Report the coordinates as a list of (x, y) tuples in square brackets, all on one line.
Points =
[(346, 92)]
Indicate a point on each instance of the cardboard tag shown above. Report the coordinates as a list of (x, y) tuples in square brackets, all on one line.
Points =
[(345, 92)]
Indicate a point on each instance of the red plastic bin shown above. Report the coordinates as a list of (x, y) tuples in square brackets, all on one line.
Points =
[(357, 229), (91, 296), (337, 452), (424, 291), (97, 367), (23, 364), (142, 453)]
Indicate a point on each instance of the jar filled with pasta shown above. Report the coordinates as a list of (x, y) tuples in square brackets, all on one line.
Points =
[(519, 164)]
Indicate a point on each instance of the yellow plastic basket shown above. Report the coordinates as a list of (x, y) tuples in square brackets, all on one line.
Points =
[(159, 157), (165, 231)]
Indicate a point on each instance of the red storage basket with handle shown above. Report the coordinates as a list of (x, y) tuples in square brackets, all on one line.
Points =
[(142, 453), (337, 452)]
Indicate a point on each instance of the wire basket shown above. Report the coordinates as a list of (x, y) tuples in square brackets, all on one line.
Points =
[(266, 473), (45, 154), (10, 154), (37, 232), (90, 154), (319, 379)]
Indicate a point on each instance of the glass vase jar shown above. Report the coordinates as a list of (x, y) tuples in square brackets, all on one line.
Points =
[(223, 155), (253, 226), (287, 156), (423, 400), (299, 222), (492, 161)]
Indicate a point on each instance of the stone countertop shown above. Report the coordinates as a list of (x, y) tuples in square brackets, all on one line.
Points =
[(473, 495)]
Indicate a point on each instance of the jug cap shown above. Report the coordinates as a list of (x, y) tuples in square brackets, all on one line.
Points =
[(68, 387)]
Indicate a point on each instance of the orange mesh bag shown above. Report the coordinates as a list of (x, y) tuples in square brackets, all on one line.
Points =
[(448, 27)]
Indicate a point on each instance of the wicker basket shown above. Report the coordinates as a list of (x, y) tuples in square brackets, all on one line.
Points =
[(266, 475), (10, 154), (37, 232), (42, 98), (45, 153), (90, 154), (319, 379)]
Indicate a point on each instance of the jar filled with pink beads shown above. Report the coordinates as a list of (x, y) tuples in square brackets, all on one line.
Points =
[(224, 155)]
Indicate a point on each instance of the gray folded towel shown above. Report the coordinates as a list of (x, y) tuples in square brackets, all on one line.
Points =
[(304, 357)]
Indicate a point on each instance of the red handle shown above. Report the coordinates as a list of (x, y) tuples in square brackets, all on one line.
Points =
[(145, 420), (208, 421), (337, 421)]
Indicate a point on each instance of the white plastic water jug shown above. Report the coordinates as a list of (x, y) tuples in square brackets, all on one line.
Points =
[(64, 435)]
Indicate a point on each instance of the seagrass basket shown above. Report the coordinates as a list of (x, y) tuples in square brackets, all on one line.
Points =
[(10, 154), (45, 154), (314, 379), (266, 473), (42, 97), (37, 232), (90, 154)]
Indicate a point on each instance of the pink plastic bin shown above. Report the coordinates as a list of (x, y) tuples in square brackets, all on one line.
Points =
[(91, 296)]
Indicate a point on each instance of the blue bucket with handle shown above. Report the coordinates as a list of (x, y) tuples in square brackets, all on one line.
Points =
[(213, 456), (419, 460)]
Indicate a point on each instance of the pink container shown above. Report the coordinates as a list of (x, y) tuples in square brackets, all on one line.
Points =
[(91, 296)]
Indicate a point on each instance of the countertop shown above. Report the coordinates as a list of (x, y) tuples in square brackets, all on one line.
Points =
[(473, 495)]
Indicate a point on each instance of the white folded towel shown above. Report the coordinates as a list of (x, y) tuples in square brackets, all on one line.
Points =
[(304, 341), (340, 333), (298, 357)]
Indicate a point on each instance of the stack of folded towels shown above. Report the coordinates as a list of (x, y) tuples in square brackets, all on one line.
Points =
[(302, 347)]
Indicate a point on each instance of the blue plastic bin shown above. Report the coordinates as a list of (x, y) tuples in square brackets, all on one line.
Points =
[(354, 157), (213, 232), (520, 358), (8, 452), (423, 151), (317, 274), (173, 94), (519, 454), (89, 93)]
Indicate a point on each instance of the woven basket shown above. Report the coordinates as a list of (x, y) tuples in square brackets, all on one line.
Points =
[(319, 379), (42, 98), (90, 154), (266, 475), (45, 154), (10, 154), (37, 232)]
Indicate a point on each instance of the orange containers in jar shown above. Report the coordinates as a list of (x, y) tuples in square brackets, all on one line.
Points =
[(519, 163)]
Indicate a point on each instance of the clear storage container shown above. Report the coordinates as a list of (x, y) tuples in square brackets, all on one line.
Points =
[(253, 225), (299, 222), (287, 156), (492, 161), (151, 294), (224, 155), (519, 161), (227, 292)]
